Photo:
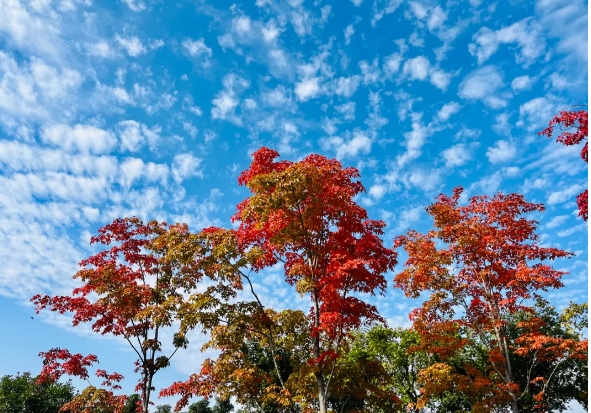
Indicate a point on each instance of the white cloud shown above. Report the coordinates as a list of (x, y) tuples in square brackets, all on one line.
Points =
[(448, 110), (100, 49), (278, 97), (135, 5), (224, 105), (134, 169), (521, 83), (371, 73), (502, 151), (502, 126), (557, 221), (440, 79), (419, 68), (357, 3), (483, 84), (31, 32), (184, 166), (25, 158), (536, 113), (302, 22), (533, 183), (416, 68), (325, 13), (425, 179), (270, 32), (377, 191), (241, 25), (307, 89), (196, 47), (456, 155), (226, 101), (418, 9), (408, 216), (347, 110), (415, 139), (383, 7), (392, 64), (563, 195), (558, 82), (83, 138), (52, 83), (525, 33), (250, 104), (130, 135), (572, 230), (488, 184), (358, 144), (36, 90), (558, 159), (131, 44), (346, 86), (349, 32), (567, 21), (437, 18)]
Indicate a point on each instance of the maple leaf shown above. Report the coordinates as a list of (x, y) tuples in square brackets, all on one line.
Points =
[(574, 130), (481, 263), (136, 282), (302, 215)]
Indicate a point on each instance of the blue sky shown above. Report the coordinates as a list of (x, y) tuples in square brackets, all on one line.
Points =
[(152, 108)]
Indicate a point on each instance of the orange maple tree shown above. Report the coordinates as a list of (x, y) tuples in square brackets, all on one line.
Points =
[(129, 290), (481, 263), (302, 216), (574, 126)]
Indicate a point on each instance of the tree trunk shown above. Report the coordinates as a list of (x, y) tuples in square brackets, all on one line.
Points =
[(319, 375), (321, 391), (514, 407)]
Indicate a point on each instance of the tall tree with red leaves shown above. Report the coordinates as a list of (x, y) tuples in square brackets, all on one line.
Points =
[(574, 130), (301, 215), (482, 263), (137, 296)]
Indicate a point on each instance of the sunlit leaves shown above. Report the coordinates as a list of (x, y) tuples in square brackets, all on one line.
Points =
[(303, 215), (481, 263), (132, 289)]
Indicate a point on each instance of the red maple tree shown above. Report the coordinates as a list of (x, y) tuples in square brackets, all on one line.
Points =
[(136, 297), (481, 263), (574, 130), (301, 215)]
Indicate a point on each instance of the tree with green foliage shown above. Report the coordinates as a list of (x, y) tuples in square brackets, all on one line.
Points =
[(396, 351), (22, 394), (202, 406), (131, 403), (223, 406), (164, 408)]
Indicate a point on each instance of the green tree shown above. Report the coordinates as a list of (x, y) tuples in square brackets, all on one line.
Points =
[(131, 403), (223, 406), (395, 349), (202, 406), (21, 394), (164, 408)]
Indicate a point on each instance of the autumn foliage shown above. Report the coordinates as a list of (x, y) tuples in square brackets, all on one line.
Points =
[(481, 263), (301, 215), (138, 295), (478, 342), (574, 130)]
